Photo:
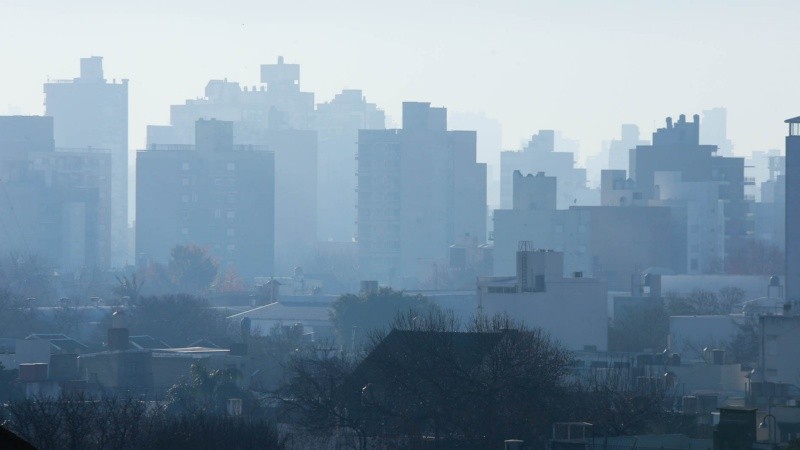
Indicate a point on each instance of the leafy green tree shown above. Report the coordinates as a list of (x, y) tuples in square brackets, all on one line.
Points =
[(355, 317)]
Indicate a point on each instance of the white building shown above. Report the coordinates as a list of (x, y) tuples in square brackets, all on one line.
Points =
[(571, 310), (705, 220), (780, 339)]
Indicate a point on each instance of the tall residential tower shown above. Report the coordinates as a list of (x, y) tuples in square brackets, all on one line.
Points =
[(420, 189), (90, 112), (793, 213)]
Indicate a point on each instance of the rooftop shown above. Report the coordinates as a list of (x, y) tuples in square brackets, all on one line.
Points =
[(288, 312)]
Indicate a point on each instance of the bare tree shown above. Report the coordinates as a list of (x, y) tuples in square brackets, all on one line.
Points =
[(617, 402)]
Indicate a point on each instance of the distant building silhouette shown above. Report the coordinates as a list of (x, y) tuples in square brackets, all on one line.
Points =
[(55, 203), (608, 242), (714, 130), (618, 150), (769, 210), (540, 155), (215, 194), (337, 123), (90, 112), (676, 148), (490, 142), (704, 218), (420, 190), (534, 192), (278, 117)]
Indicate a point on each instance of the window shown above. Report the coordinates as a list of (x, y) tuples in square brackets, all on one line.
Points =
[(217, 213), (230, 232), (231, 214), (231, 166), (184, 198), (185, 166)]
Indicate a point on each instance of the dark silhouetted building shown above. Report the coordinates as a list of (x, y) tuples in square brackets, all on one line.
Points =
[(215, 194), (793, 213)]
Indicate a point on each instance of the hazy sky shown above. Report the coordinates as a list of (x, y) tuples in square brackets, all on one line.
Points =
[(583, 67)]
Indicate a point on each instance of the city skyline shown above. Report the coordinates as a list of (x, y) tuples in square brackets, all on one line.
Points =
[(605, 64)]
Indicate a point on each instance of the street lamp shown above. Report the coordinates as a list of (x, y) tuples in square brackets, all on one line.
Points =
[(772, 426)]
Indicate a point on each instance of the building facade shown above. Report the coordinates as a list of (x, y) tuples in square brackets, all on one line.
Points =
[(275, 116), (677, 148), (214, 194), (337, 123), (792, 228), (90, 113), (55, 202), (572, 310), (540, 155), (419, 190)]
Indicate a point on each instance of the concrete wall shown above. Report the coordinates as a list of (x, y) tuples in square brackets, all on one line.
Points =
[(572, 311)]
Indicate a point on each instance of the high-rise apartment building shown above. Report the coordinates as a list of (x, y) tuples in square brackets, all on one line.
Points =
[(214, 194), (55, 203), (337, 123), (677, 148), (793, 213), (419, 190), (90, 112), (275, 116)]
